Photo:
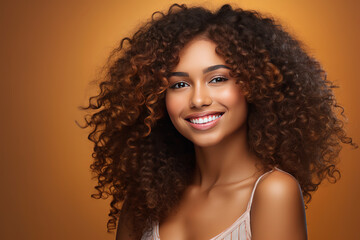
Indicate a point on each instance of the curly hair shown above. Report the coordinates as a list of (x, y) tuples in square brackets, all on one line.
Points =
[(294, 121)]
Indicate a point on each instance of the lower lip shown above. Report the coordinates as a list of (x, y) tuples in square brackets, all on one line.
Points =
[(205, 126)]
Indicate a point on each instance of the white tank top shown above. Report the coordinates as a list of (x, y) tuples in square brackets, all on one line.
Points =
[(239, 230)]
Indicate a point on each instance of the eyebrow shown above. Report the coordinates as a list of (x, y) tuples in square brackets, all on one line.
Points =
[(215, 67), (206, 70)]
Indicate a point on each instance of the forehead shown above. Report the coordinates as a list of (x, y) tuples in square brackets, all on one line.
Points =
[(197, 55)]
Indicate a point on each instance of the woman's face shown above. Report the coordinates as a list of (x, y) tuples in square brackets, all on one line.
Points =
[(204, 103)]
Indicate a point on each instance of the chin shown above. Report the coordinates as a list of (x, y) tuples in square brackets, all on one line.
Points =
[(205, 142)]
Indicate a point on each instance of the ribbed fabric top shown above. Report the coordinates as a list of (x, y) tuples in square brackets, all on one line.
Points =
[(239, 230)]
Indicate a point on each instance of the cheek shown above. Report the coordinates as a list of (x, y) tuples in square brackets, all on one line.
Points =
[(236, 104), (231, 97), (173, 105)]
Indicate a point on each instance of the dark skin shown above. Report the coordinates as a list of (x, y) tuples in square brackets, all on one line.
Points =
[(226, 170), (203, 215)]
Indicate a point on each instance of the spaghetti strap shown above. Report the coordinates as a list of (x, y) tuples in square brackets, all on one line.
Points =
[(254, 188), (240, 229)]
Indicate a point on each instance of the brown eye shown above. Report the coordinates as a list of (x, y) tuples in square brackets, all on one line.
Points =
[(218, 79), (179, 85)]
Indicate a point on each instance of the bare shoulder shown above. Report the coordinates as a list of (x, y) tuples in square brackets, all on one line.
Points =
[(277, 210), (278, 184)]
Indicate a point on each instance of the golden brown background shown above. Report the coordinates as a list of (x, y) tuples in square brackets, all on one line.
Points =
[(51, 50)]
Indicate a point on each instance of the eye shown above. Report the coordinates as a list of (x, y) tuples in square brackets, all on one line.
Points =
[(218, 79), (179, 85)]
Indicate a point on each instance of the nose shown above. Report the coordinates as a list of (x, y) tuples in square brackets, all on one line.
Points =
[(200, 97)]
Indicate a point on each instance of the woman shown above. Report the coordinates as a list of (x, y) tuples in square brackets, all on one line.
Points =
[(213, 126)]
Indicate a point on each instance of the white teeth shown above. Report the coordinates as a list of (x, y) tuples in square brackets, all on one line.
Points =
[(205, 119)]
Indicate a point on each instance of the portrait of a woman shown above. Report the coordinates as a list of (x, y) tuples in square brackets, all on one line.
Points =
[(213, 125), (189, 120)]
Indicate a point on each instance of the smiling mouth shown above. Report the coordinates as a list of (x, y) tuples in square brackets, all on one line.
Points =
[(205, 119)]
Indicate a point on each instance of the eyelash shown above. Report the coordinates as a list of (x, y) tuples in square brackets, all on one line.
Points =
[(223, 79), (174, 86)]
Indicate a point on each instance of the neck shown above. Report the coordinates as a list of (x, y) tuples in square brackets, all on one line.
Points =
[(229, 161)]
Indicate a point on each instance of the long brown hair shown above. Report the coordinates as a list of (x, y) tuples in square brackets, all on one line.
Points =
[(293, 120)]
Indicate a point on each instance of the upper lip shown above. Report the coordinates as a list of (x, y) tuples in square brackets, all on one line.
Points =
[(202, 114)]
